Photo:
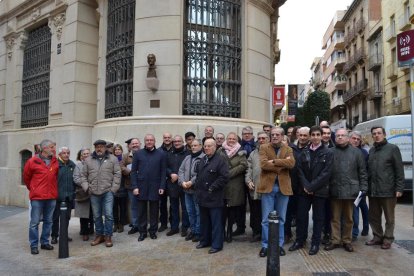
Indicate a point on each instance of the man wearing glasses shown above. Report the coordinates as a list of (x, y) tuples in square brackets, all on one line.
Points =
[(385, 185)]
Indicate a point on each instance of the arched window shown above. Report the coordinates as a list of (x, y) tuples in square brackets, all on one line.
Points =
[(120, 58), (36, 75), (212, 58), (24, 156)]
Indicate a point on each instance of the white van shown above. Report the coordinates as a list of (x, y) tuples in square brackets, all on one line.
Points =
[(398, 132)]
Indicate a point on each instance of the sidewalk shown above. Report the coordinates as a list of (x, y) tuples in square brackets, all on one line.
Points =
[(174, 256)]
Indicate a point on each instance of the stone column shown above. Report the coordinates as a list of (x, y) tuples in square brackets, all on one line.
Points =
[(102, 16)]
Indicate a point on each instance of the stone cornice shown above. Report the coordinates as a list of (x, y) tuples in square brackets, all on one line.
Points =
[(264, 5)]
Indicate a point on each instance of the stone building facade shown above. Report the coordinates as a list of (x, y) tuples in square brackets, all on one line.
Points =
[(77, 70)]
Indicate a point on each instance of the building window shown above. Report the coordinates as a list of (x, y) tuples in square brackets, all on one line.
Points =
[(36, 76), (212, 52), (24, 156), (120, 58)]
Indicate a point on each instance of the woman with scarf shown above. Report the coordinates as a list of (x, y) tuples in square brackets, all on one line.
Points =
[(234, 190), (120, 198)]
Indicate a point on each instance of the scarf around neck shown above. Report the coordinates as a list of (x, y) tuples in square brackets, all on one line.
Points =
[(231, 151)]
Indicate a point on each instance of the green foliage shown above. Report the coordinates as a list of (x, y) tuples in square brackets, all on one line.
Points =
[(317, 104)]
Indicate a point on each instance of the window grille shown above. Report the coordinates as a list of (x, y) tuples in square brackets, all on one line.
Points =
[(36, 76), (120, 58), (212, 58), (25, 155)]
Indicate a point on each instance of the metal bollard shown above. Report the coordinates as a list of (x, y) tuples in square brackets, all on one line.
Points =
[(273, 261), (63, 231)]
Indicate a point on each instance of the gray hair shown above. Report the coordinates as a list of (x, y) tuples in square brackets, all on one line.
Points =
[(46, 143), (355, 132), (247, 128), (199, 141), (62, 149), (304, 129), (261, 132), (280, 129)]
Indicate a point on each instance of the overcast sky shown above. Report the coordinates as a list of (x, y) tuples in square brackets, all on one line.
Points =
[(302, 24)]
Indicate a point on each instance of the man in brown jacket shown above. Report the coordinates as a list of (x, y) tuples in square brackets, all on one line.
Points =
[(275, 160)]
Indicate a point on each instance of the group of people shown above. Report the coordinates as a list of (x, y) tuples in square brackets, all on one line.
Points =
[(210, 181)]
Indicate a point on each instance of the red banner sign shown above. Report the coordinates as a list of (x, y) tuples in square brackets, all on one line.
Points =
[(278, 95), (405, 48)]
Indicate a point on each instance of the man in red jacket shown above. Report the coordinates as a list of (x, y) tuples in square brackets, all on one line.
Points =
[(40, 177)]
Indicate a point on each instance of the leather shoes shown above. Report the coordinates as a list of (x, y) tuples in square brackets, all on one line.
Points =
[(196, 238), (85, 237), (54, 240), (373, 242), (331, 246), (189, 236), (213, 250), (281, 251), (184, 232), (132, 231), (98, 239), (263, 252), (199, 246), (142, 237), (34, 251), (172, 232), (314, 250), (386, 245), (162, 228), (364, 232), (295, 246), (153, 236), (46, 246), (348, 247), (108, 241)]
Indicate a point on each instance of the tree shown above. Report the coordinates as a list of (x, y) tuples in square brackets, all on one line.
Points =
[(317, 104)]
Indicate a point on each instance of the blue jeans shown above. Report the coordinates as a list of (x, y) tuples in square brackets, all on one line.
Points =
[(272, 201), (193, 213), (355, 216), (103, 205), (39, 207), (133, 205)]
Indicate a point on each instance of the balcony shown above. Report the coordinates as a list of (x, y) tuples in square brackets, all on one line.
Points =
[(392, 72), (375, 93), (349, 94), (337, 101), (399, 105), (340, 84), (360, 25), (390, 34), (362, 86), (360, 55), (374, 62), (339, 62), (404, 23), (340, 43)]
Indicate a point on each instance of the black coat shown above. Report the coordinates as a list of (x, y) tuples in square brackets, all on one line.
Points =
[(148, 173), (66, 186), (294, 176), (212, 176), (174, 160), (314, 169)]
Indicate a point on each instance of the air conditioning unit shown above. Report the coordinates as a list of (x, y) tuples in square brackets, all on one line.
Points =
[(396, 101)]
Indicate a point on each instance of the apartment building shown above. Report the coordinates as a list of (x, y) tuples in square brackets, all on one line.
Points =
[(333, 62), (358, 19), (395, 19)]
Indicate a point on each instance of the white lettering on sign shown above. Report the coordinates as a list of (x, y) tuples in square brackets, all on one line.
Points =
[(405, 51)]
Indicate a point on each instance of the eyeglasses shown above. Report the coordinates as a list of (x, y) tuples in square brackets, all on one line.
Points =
[(177, 141), (356, 138), (247, 133), (341, 135)]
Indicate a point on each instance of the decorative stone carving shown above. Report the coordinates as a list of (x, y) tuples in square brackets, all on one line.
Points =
[(10, 41), (151, 80), (57, 23), (35, 13)]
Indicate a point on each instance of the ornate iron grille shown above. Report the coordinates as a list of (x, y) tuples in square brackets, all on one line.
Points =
[(36, 75), (212, 50), (120, 58)]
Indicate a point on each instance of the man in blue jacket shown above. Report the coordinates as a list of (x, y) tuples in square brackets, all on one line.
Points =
[(149, 167)]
